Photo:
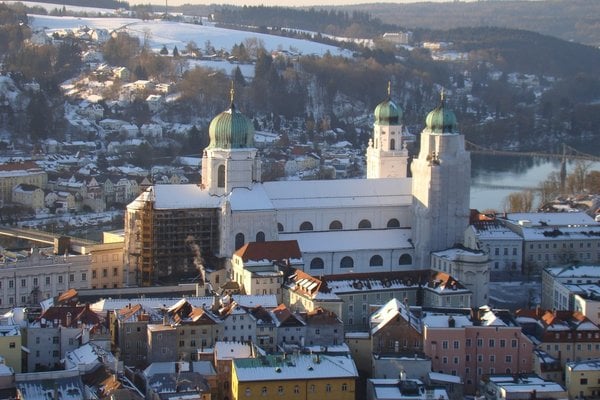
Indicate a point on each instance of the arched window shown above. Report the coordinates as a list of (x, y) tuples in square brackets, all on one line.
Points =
[(260, 236), (393, 223), (335, 226), (347, 262), (405, 259), (393, 144), (306, 226), (317, 263), (364, 224), (239, 240), (376, 261), (279, 227), (221, 176)]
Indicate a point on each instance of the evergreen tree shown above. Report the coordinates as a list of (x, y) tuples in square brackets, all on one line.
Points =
[(164, 51)]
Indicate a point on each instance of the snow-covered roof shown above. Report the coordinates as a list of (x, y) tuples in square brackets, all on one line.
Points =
[(492, 230), (574, 271), (552, 219), (242, 199), (365, 239), (339, 193), (439, 377), (231, 350), (294, 366)]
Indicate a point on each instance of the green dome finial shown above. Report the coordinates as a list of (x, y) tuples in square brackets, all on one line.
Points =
[(231, 129), (441, 119), (387, 112)]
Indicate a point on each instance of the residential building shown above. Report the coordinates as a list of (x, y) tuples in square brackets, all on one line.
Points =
[(470, 267), (520, 386), (556, 238), (350, 295), (402, 389), (15, 173), (561, 283), (503, 246), (258, 266), (225, 354), (11, 346), (565, 335), (294, 375), (581, 379), (28, 195)]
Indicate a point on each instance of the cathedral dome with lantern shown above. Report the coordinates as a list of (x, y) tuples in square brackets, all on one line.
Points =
[(442, 119), (231, 129), (387, 112)]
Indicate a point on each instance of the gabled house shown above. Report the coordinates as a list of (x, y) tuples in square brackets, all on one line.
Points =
[(291, 328)]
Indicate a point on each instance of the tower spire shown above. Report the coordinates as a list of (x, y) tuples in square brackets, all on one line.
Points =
[(442, 96), (389, 89), (231, 94)]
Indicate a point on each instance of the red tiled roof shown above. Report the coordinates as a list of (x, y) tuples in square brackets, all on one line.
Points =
[(66, 296), (19, 166), (273, 251), (78, 313)]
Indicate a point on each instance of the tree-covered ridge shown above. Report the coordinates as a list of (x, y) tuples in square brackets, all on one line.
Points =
[(341, 23), (520, 50), (573, 20)]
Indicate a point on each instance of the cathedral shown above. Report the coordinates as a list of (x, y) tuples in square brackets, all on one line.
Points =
[(390, 221)]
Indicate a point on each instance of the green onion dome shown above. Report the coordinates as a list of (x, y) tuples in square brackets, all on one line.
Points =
[(231, 130), (441, 120), (388, 113)]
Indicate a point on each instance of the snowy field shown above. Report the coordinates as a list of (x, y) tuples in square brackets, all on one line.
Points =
[(167, 33), (49, 7)]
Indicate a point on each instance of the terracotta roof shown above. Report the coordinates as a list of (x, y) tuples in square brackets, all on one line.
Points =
[(19, 166), (78, 313), (129, 311), (273, 251), (285, 317), (70, 294)]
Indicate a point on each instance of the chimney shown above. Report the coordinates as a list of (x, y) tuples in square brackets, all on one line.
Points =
[(165, 319), (69, 319)]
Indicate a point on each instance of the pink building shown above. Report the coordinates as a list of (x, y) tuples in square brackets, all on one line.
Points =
[(472, 343)]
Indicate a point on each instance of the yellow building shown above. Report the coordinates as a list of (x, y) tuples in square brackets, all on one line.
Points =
[(12, 174), (10, 346), (294, 376), (581, 379)]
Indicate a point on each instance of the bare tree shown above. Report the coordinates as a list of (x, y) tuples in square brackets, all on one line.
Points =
[(519, 202)]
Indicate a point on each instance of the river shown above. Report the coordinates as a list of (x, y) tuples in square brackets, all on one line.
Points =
[(493, 178)]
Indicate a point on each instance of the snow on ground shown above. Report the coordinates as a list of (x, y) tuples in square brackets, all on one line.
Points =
[(516, 294), (171, 34), (51, 6)]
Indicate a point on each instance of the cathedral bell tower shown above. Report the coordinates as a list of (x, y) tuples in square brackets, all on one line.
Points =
[(440, 186), (387, 155), (230, 160)]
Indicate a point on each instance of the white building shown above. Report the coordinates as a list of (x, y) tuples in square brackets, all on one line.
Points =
[(503, 246), (342, 226)]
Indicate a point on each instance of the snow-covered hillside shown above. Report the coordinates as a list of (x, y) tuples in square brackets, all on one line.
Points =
[(178, 34)]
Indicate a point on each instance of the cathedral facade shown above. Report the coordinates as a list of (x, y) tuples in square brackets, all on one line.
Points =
[(390, 221)]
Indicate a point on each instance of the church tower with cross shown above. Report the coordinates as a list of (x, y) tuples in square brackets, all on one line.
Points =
[(230, 161), (440, 185), (387, 154)]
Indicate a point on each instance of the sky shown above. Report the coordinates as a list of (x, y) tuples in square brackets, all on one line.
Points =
[(283, 3)]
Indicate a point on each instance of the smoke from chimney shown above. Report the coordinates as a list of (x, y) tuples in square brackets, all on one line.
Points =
[(198, 260)]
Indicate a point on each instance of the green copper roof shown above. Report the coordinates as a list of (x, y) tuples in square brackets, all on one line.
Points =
[(441, 120), (387, 113), (231, 130)]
